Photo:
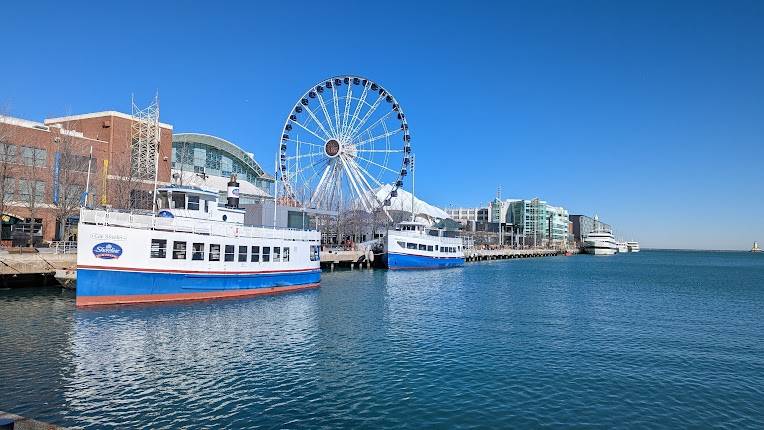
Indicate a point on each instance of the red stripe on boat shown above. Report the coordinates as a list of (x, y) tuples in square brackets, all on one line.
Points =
[(152, 298)]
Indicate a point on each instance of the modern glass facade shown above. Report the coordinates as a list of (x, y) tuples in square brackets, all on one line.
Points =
[(212, 156), (539, 223)]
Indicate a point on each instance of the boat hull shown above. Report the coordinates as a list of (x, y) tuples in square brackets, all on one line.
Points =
[(98, 286), (397, 261), (600, 251)]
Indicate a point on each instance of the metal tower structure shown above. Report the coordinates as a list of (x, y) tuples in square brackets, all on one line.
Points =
[(145, 140)]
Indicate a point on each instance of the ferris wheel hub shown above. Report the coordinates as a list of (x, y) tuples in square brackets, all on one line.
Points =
[(332, 148)]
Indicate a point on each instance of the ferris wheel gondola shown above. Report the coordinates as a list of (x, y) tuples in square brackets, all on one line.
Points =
[(345, 139)]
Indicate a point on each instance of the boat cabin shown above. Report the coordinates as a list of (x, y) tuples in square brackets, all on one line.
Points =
[(192, 202)]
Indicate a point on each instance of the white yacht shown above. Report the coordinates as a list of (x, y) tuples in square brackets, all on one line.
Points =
[(600, 242), (633, 246), (622, 247), (755, 247)]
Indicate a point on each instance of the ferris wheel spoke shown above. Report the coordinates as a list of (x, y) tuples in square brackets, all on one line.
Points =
[(346, 112), (309, 130), (361, 102), (381, 136), (310, 154), (376, 181), (303, 142), (390, 151), (377, 122), (320, 124), (336, 103), (326, 115), (320, 182), (367, 115), (315, 163), (357, 185), (376, 164)]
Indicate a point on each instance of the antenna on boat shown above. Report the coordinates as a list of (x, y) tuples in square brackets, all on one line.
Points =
[(413, 216)]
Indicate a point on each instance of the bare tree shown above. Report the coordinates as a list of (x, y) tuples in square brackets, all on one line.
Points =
[(31, 190), (70, 166), (8, 153), (124, 189)]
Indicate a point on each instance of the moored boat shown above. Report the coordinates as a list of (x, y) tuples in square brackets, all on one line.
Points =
[(755, 247), (414, 246), (190, 249), (600, 242), (633, 246), (622, 247)]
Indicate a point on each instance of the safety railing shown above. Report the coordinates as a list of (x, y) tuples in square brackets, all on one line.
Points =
[(190, 225), (63, 247)]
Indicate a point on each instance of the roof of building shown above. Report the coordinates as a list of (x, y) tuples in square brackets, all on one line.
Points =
[(68, 118), (223, 145), (213, 182), (402, 202)]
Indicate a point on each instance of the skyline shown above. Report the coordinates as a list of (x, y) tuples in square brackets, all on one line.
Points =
[(521, 96)]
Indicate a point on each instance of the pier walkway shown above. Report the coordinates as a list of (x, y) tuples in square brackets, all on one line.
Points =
[(472, 255)]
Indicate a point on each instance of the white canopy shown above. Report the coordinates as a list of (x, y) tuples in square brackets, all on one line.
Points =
[(424, 211)]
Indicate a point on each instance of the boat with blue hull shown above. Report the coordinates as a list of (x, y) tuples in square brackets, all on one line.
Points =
[(191, 249), (414, 246)]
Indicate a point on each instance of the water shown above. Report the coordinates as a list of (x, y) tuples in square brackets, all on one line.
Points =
[(653, 340)]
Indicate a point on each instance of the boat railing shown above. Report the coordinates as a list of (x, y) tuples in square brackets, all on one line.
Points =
[(189, 225)]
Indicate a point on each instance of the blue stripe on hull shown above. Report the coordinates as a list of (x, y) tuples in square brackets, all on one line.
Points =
[(94, 282), (407, 261)]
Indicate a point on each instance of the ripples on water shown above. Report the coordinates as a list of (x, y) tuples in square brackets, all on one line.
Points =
[(656, 339)]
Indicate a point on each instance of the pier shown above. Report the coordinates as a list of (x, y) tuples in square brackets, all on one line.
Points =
[(40, 268), (16, 422), (475, 255), (353, 259)]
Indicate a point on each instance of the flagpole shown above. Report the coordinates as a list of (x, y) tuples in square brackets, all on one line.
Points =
[(87, 181)]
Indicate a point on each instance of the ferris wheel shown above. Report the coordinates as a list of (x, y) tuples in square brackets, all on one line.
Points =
[(345, 145)]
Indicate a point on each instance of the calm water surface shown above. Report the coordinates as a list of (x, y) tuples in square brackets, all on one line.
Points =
[(653, 340)]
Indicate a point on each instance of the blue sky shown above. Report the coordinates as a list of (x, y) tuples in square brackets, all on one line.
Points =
[(650, 114)]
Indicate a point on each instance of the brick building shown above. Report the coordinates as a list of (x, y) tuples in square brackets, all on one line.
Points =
[(44, 166)]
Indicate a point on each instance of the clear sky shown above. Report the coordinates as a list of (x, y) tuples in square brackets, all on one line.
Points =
[(650, 114)]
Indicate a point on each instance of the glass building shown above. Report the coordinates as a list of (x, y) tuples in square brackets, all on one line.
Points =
[(202, 159)]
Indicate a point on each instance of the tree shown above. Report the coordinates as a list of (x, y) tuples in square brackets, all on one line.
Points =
[(124, 189), (8, 152), (70, 166), (31, 189)]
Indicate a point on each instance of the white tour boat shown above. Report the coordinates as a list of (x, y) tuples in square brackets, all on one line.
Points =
[(622, 247), (600, 242), (633, 246), (414, 246), (191, 248)]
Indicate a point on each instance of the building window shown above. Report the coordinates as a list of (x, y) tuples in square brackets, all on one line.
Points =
[(242, 253), (266, 254), (34, 156), (179, 250), (198, 253), (214, 252), (285, 255), (31, 191), (193, 203), (255, 254), (229, 252), (276, 253), (158, 248), (9, 189)]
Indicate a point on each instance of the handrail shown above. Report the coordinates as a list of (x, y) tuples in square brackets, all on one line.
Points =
[(189, 225)]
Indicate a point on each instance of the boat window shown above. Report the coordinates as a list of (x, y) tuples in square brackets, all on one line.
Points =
[(410, 245), (198, 252), (193, 203), (179, 250), (229, 252), (206, 206), (436, 247), (214, 252), (266, 254), (429, 247), (255, 254), (402, 244), (178, 200), (276, 253), (162, 202), (242, 253), (286, 254), (422, 247), (315, 253), (158, 248)]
